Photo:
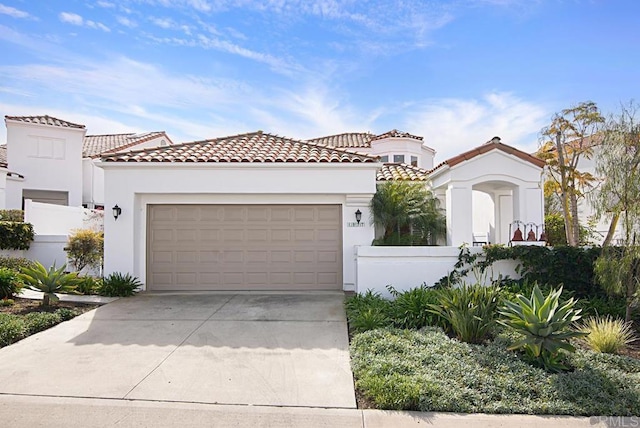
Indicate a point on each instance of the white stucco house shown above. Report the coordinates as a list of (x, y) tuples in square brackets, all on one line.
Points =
[(259, 211), (53, 161)]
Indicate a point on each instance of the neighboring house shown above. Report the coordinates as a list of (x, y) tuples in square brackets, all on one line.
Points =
[(53, 161), (258, 211), (394, 146)]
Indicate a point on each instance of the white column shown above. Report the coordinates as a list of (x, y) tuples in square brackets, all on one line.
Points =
[(459, 215), (3, 188)]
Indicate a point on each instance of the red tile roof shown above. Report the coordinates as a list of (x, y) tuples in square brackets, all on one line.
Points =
[(251, 147), (360, 139), (96, 145), (493, 144), (401, 172), (394, 133), (45, 120), (350, 139)]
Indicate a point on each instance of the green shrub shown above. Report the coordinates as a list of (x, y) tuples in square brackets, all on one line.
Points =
[(427, 371), (12, 215), (66, 314), (12, 329), (88, 285), (15, 263), (49, 282), (603, 306), (15, 235), (39, 321), (367, 311), (410, 309), (7, 302), (545, 324), (119, 285), (85, 248), (468, 311), (607, 335), (10, 284)]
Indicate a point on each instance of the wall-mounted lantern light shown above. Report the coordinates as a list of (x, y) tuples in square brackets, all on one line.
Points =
[(358, 216), (116, 211)]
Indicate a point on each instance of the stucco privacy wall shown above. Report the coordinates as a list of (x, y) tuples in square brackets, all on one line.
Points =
[(405, 268), (134, 186)]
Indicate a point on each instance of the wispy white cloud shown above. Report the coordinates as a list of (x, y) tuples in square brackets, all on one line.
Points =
[(123, 20), (106, 4), (75, 19), (165, 23), (454, 125), (13, 12)]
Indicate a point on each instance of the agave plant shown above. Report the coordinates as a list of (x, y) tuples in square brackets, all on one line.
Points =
[(545, 323), (50, 282)]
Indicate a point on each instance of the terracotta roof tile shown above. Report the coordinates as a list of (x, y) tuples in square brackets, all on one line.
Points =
[(394, 133), (350, 139), (493, 144), (96, 145), (360, 139), (45, 120), (401, 172), (251, 147)]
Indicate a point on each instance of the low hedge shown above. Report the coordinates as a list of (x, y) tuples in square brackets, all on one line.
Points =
[(12, 215), (15, 235), (16, 327)]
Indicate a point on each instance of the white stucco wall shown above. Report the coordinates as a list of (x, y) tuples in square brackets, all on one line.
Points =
[(3, 188), (49, 158), (48, 219), (93, 175), (405, 268), (404, 146), (135, 186)]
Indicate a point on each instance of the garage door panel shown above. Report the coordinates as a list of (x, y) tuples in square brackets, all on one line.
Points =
[(244, 247)]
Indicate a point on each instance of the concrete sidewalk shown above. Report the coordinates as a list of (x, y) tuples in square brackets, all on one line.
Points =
[(55, 412)]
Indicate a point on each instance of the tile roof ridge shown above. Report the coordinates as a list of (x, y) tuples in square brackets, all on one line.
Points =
[(341, 133), (45, 116), (349, 150), (109, 135)]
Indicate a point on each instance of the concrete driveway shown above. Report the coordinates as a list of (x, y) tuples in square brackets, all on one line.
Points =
[(257, 349)]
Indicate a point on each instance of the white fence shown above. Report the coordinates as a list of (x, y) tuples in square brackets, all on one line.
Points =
[(409, 267)]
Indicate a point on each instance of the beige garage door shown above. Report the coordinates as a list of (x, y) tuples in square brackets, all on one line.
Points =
[(244, 247)]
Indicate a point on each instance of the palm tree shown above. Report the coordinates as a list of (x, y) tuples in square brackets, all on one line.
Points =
[(407, 213)]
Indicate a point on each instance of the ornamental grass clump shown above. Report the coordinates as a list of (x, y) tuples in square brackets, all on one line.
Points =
[(468, 311), (546, 325), (367, 311), (607, 335)]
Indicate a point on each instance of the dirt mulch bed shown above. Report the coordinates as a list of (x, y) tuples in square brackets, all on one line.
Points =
[(26, 306)]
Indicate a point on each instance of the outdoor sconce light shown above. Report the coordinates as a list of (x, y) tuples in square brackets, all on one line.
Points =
[(358, 216), (116, 211)]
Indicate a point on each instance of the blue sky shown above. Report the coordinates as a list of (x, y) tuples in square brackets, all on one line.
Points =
[(456, 72)]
